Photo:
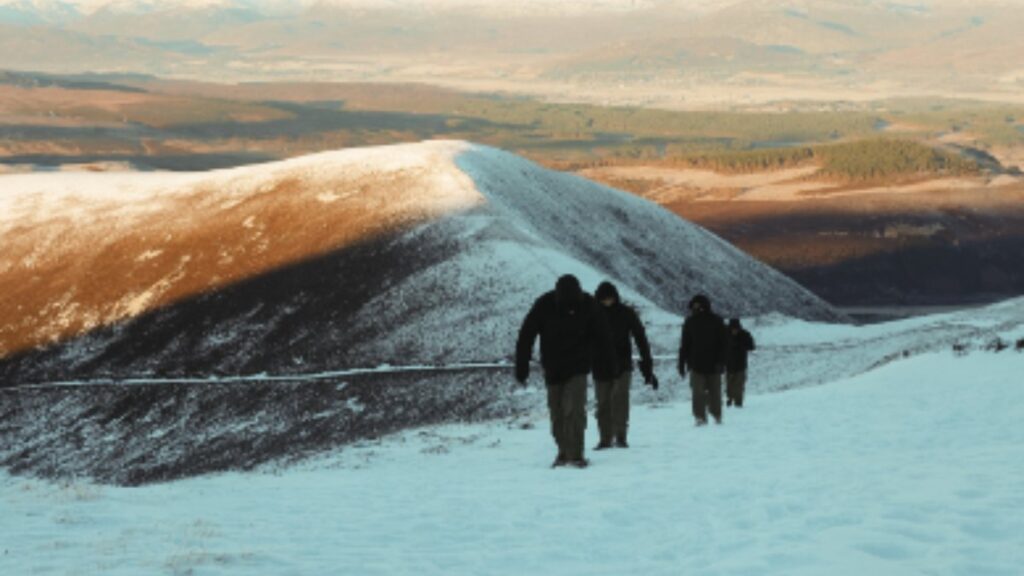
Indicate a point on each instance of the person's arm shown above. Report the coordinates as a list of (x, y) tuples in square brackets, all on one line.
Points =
[(524, 345), (643, 346), (683, 347), (751, 346), (723, 347)]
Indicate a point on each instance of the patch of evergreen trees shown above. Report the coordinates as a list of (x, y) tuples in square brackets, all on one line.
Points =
[(857, 161)]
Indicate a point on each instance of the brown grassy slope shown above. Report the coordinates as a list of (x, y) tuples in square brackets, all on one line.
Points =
[(60, 277), (939, 245), (92, 107)]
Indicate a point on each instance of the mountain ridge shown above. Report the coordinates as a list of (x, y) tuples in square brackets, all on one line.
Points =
[(340, 259)]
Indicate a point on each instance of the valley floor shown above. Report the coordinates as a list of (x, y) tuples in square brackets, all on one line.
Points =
[(912, 468)]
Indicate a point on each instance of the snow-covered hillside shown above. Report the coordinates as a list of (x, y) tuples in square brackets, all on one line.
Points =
[(149, 430), (426, 253), (912, 468)]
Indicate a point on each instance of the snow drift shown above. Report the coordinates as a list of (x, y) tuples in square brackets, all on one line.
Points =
[(426, 253)]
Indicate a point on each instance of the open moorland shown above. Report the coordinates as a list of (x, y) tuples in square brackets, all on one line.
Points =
[(898, 202), (874, 222)]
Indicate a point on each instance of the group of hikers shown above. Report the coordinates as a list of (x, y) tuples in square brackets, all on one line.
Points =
[(582, 335)]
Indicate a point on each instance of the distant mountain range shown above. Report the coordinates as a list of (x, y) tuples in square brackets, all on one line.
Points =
[(748, 50)]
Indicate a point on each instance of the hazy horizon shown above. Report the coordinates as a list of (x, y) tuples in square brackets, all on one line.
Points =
[(655, 53)]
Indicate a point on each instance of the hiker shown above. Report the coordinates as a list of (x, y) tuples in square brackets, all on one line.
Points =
[(738, 343), (574, 340), (702, 352), (613, 393)]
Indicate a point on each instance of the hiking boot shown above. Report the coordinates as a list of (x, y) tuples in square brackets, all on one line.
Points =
[(559, 461), (701, 422), (581, 463), (620, 442), (603, 445)]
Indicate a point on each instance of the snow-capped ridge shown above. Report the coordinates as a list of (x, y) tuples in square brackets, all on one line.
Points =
[(336, 260)]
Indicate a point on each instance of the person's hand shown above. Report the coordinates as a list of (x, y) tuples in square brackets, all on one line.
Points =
[(647, 371), (522, 375), (646, 368)]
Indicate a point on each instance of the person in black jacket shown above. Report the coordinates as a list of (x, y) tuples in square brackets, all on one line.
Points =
[(738, 344), (702, 352), (613, 393), (574, 340)]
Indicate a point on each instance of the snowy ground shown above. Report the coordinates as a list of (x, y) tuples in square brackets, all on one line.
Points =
[(145, 430), (911, 468)]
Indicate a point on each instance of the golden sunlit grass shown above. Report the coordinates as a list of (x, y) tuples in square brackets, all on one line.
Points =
[(63, 278)]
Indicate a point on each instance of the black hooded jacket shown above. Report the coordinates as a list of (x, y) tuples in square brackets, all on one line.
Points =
[(574, 339), (702, 347), (626, 326), (737, 346)]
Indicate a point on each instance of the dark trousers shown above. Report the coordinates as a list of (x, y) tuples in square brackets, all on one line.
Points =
[(735, 383), (567, 404), (707, 395), (613, 407)]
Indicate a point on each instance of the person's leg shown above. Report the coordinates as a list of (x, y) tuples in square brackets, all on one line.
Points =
[(620, 406), (714, 388), (730, 388), (741, 387), (574, 411), (605, 426), (699, 397), (555, 411)]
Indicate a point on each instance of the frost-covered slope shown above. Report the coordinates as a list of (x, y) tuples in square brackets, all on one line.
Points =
[(416, 254), (911, 469), (150, 430)]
